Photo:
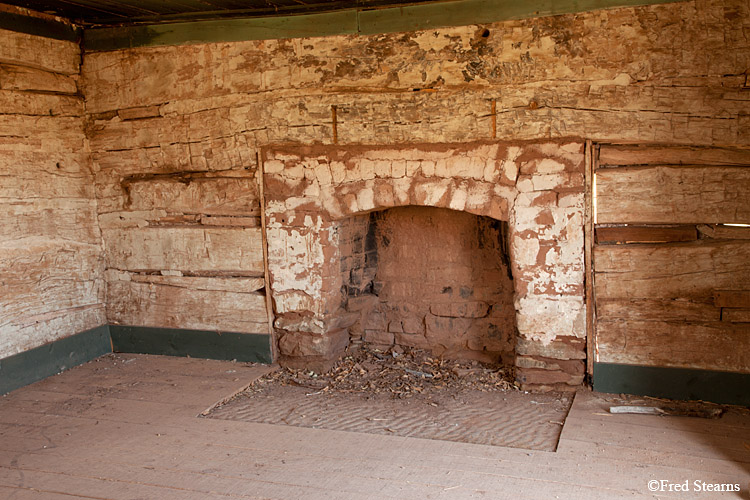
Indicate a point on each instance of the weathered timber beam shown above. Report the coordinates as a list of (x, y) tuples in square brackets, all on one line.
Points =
[(732, 298), (32, 25), (645, 234), (724, 232), (622, 155)]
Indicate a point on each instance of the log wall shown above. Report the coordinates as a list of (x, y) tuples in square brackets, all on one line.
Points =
[(672, 281), (175, 130), (51, 255)]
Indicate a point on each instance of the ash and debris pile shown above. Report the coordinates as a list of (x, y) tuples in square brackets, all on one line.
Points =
[(400, 371)]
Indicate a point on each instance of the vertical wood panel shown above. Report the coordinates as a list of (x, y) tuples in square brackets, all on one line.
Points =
[(264, 243), (588, 238), (672, 295)]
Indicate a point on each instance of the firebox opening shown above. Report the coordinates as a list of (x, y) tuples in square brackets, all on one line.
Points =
[(430, 278)]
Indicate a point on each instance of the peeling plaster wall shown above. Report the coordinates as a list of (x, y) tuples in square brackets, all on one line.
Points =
[(51, 255), (672, 73), (665, 73)]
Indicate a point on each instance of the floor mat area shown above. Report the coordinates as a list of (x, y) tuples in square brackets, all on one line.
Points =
[(480, 412)]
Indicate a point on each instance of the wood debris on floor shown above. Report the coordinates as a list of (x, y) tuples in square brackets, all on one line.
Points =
[(400, 371), (666, 407)]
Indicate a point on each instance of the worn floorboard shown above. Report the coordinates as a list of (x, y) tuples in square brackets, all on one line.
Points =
[(127, 426)]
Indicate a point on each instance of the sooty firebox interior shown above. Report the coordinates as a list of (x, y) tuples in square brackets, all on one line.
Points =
[(430, 278)]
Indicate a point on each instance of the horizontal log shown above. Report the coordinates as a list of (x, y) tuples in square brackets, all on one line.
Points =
[(32, 303), (40, 52), (35, 184), (733, 298), (25, 103), (67, 219), (160, 218), (114, 166), (232, 194), (622, 155), (139, 113), (656, 309), (41, 329), (709, 346), (161, 305), (42, 277), (670, 270), (212, 220), (53, 135), (735, 315), (228, 284), (232, 156), (190, 249), (211, 69), (49, 176), (14, 77), (114, 134), (673, 195), (645, 234), (34, 258), (723, 232), (175, 220), (121, 220)]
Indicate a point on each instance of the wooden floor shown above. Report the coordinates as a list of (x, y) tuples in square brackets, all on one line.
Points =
[(126, 427)]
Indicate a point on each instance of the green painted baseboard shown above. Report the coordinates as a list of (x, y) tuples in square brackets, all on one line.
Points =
[(673, 383), (36, 364), (244, 347)]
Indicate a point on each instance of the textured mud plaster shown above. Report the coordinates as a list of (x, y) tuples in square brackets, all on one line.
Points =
[(662, 73), (51, 254), (537, 187)]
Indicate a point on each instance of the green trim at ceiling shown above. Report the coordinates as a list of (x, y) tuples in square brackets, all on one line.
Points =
[(467, 12), (224, 30), (344, 22), (673, 383)]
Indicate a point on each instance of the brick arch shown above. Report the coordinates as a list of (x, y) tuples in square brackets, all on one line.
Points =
[(467, 195), (536, 186)]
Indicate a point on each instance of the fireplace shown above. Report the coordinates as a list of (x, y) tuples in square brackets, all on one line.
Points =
[(431, 278), (468, 250)]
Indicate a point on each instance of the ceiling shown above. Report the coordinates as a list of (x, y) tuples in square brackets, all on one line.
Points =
[(124, 12)]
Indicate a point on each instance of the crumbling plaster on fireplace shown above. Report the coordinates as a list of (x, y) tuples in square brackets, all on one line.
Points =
[(547, 244), (536, 186)]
